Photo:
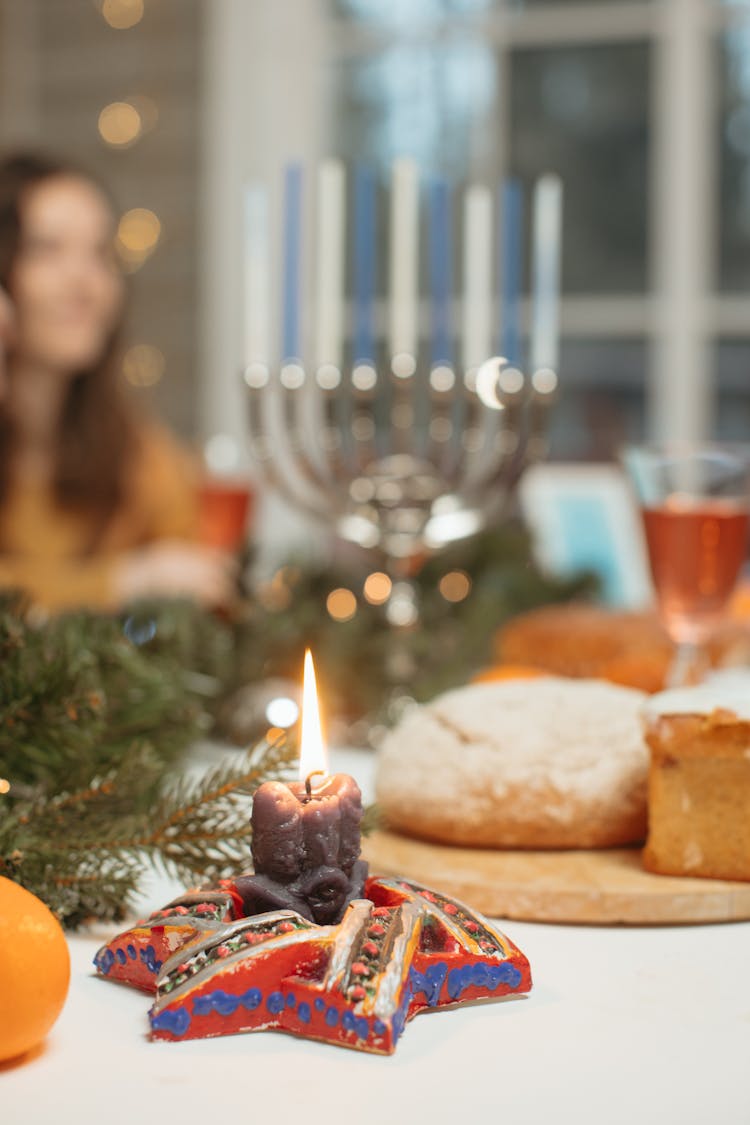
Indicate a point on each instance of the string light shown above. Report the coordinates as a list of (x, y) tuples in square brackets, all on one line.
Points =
[(4, 786), (122, 14), (341, 604), (455, 585), (377, 587), (138, 232), (120, 124), (143, 365)]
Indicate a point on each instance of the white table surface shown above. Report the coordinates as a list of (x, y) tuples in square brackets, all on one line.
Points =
[(622, 1025)]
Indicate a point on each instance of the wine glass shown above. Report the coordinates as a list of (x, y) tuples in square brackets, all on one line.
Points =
[(695, 502)]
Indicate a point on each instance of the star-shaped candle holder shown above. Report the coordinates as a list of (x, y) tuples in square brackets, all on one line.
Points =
[(400, 949)]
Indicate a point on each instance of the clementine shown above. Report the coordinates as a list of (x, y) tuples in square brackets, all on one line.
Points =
[(34, 969)]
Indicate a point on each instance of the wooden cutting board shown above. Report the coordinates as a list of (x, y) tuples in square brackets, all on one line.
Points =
[(593, 887)]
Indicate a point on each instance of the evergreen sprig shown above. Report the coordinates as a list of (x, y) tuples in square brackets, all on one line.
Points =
[(83, 852), (77, 696)]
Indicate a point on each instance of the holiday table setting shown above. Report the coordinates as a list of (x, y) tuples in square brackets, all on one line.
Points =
[(620, 1021), (534, 898), (621, 1024)]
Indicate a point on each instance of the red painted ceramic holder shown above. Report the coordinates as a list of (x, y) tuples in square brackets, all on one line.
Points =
[(399, 950)]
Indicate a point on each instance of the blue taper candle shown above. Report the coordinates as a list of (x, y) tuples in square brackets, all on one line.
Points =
[(290, 343)]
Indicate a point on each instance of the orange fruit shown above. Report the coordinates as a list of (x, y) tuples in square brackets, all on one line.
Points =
[(34, 969), (509, 672)]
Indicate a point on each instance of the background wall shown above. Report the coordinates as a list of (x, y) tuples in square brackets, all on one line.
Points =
[(642, 105), (61, 64)]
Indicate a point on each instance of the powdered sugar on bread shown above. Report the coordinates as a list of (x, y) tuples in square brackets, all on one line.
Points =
[(733, 696), (541, 763)]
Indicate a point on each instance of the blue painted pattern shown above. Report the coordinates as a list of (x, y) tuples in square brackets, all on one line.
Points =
[(149, 958), (174, 1020), (430, 982), (104, 960), (275, 1003), (482, 975)]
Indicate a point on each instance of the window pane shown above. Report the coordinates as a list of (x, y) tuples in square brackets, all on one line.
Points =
[(734, 223), (435, 102), (733, 379), (403, 15), (583, 112), (565, 3), (408, 14), (602, 399)]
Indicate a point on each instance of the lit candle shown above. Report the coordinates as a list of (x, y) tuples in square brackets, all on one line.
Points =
[(330, 262), (306, 835), (404, 276), (291, 347), (546, 273), (257, 272), (477, 306)]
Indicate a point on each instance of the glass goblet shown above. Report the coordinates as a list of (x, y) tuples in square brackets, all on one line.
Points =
[(695, 502)]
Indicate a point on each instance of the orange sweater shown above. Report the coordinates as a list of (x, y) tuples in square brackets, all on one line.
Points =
[(45, 548)]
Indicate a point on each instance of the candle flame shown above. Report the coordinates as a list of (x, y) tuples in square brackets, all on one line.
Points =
[(313, 752)]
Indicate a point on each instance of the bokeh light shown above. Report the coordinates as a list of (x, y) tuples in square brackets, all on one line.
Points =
[(377, 587), (222, 456), (282, 712), (143, 365), (401, 609), (455, 585), (120, 124), (122, 14), (138, 232), (341, 604)]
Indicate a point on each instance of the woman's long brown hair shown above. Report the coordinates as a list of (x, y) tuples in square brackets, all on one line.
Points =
[(96, 432)]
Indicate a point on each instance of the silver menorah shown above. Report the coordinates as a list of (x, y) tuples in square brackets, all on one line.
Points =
[(397, 464), (397, 457)]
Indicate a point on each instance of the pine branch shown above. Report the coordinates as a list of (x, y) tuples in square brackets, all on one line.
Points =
[(83, 852)]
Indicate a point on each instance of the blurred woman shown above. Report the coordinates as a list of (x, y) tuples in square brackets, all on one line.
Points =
[(97, 505)]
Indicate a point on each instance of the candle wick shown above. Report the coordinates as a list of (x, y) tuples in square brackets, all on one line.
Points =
[(308, 783)]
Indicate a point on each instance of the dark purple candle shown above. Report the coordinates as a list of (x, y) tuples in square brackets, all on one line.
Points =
[(306, 835)]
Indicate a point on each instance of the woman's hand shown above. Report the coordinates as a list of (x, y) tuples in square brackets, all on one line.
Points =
[(177, 569)]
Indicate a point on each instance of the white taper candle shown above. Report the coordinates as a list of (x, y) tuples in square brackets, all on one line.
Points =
[(404, 259), (257, 276), (476, 344), (546, 236)]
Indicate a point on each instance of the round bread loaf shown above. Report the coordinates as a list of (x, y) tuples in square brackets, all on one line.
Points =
[(544, 763)]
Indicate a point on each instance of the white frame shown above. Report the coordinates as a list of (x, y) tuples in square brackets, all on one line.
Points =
[(561, 549)]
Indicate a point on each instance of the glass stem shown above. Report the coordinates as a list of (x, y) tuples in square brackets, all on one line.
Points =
[(688, 664)]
